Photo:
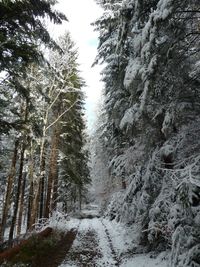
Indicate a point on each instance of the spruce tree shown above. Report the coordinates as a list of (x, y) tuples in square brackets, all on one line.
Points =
[(21, 27), (151, 98)]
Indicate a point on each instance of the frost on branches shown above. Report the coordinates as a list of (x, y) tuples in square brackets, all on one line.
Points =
[(152, 128)]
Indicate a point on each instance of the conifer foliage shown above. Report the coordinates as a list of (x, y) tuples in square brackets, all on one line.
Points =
[(21, 27), (42, 132), (151, 51)]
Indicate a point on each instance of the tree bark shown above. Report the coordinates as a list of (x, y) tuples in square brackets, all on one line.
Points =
[(20, 177), (80, 198), (16, 204), (8, 191), (21, 205), (34, 209), (37, 207), (30, 205), (53, 169), (55, 192), (30, 195), (41, 185)]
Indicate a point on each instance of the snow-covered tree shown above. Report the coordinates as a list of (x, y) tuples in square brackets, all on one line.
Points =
[(152, 104), (46, 110)]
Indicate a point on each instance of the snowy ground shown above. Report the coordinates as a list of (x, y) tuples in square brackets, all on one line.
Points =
[(100, 242)]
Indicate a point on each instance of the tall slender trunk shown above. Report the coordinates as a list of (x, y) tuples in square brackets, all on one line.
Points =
[(55, 192), (8, 191), (21, 205), (37, 196), (53, 169), (41, 185), (30, 206), (25, 109), (16, 203), (30, 195), (80, 197), (74, 198), (34, 208), (65, 206)]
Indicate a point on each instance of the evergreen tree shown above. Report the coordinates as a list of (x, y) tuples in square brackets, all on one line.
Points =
[(22, 32), (152, 107), (40, 101), (49, 105), (21, 27), (73, 162)]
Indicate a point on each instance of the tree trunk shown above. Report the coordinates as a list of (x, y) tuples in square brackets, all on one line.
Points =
[(80, 198), (16, 204), (37, 206), (30, 195), (21, 205), (74, 198), (30, 206), (8, 191), (53, 169), (25, 109), (55, 192), (41, 185), (34, 208)]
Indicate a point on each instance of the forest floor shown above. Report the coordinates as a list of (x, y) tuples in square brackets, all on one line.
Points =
[(103, 243), (94, 242), (100, 243)]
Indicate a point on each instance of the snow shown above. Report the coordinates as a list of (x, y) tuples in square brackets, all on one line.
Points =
[(120, 236), (144, 95), (112, 241), (93, 225), (122, 239), (145, 261), (164, 9), (90, 210), (132, 71), (131, 114), (168, 120), (58, 221), (152, 64), (167, 150)]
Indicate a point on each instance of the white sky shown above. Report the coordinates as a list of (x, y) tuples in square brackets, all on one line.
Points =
[(81, 13)]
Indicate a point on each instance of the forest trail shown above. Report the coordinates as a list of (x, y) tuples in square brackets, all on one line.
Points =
[(92, 246), (90, 241), (103, 243)]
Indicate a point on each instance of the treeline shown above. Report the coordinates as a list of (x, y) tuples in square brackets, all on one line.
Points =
[(43, 163), (147, 141)]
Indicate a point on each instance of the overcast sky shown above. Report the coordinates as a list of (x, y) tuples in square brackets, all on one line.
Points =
[(81, 13)]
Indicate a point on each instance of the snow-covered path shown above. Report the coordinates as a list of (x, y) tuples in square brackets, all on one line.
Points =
[(91, 246), (101, 243)]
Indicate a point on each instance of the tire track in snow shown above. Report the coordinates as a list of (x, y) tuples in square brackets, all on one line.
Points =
[(85, 251), (114, 254), (93, 246)]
